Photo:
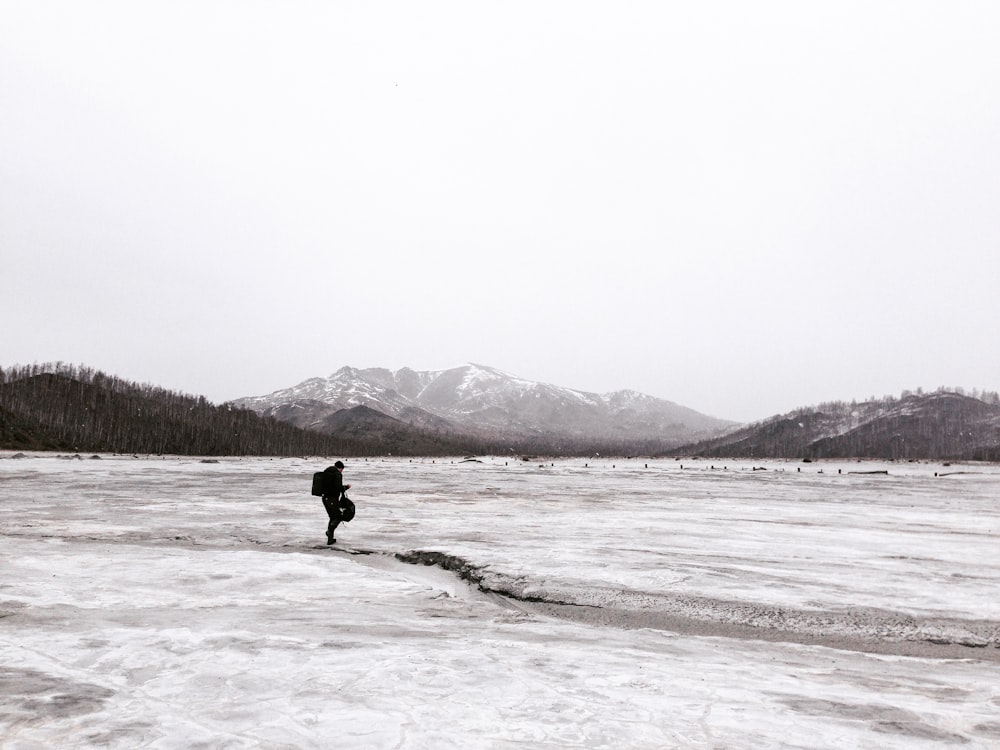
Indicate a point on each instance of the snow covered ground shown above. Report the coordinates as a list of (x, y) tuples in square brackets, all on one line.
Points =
[(171, 603)]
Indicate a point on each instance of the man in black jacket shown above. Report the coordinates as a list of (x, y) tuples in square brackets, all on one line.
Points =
[(333, 488)]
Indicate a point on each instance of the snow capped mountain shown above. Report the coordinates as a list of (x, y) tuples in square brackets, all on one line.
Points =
[(476, 397)]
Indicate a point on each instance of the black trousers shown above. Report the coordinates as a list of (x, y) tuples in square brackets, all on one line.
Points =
[(333, 510)]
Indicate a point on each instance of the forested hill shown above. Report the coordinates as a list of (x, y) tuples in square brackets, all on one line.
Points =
[(84, 410), (938, 426)]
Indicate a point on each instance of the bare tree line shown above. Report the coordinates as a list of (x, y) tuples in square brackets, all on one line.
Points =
[(66, 407)]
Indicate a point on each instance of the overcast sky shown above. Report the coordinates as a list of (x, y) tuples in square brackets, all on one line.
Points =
[(740, 207)]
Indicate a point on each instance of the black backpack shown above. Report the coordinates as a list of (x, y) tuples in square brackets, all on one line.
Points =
[(318, 483)]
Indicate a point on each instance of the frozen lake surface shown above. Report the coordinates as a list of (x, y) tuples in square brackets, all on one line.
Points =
[(170, 603)]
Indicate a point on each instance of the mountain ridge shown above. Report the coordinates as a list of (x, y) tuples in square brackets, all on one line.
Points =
[(481, 399), (944, 425)]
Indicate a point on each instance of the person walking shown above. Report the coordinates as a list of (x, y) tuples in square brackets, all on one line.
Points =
[(333, 488)]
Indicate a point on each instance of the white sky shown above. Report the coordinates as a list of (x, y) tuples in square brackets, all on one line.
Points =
[(740, 207)]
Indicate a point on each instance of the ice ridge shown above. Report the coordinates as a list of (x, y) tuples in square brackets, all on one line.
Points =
[(857, 629)]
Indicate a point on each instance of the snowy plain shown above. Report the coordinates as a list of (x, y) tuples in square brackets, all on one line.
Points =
[(167, 602)]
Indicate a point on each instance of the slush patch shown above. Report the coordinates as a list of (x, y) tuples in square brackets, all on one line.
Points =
[(31, 697)]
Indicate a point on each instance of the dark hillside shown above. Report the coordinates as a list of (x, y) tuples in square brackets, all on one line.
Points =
[(374, 430), (14, 433), (939, 426), (83, 410)]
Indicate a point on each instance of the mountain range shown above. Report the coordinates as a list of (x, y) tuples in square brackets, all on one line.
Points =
[(482, 401), (471, 409)]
